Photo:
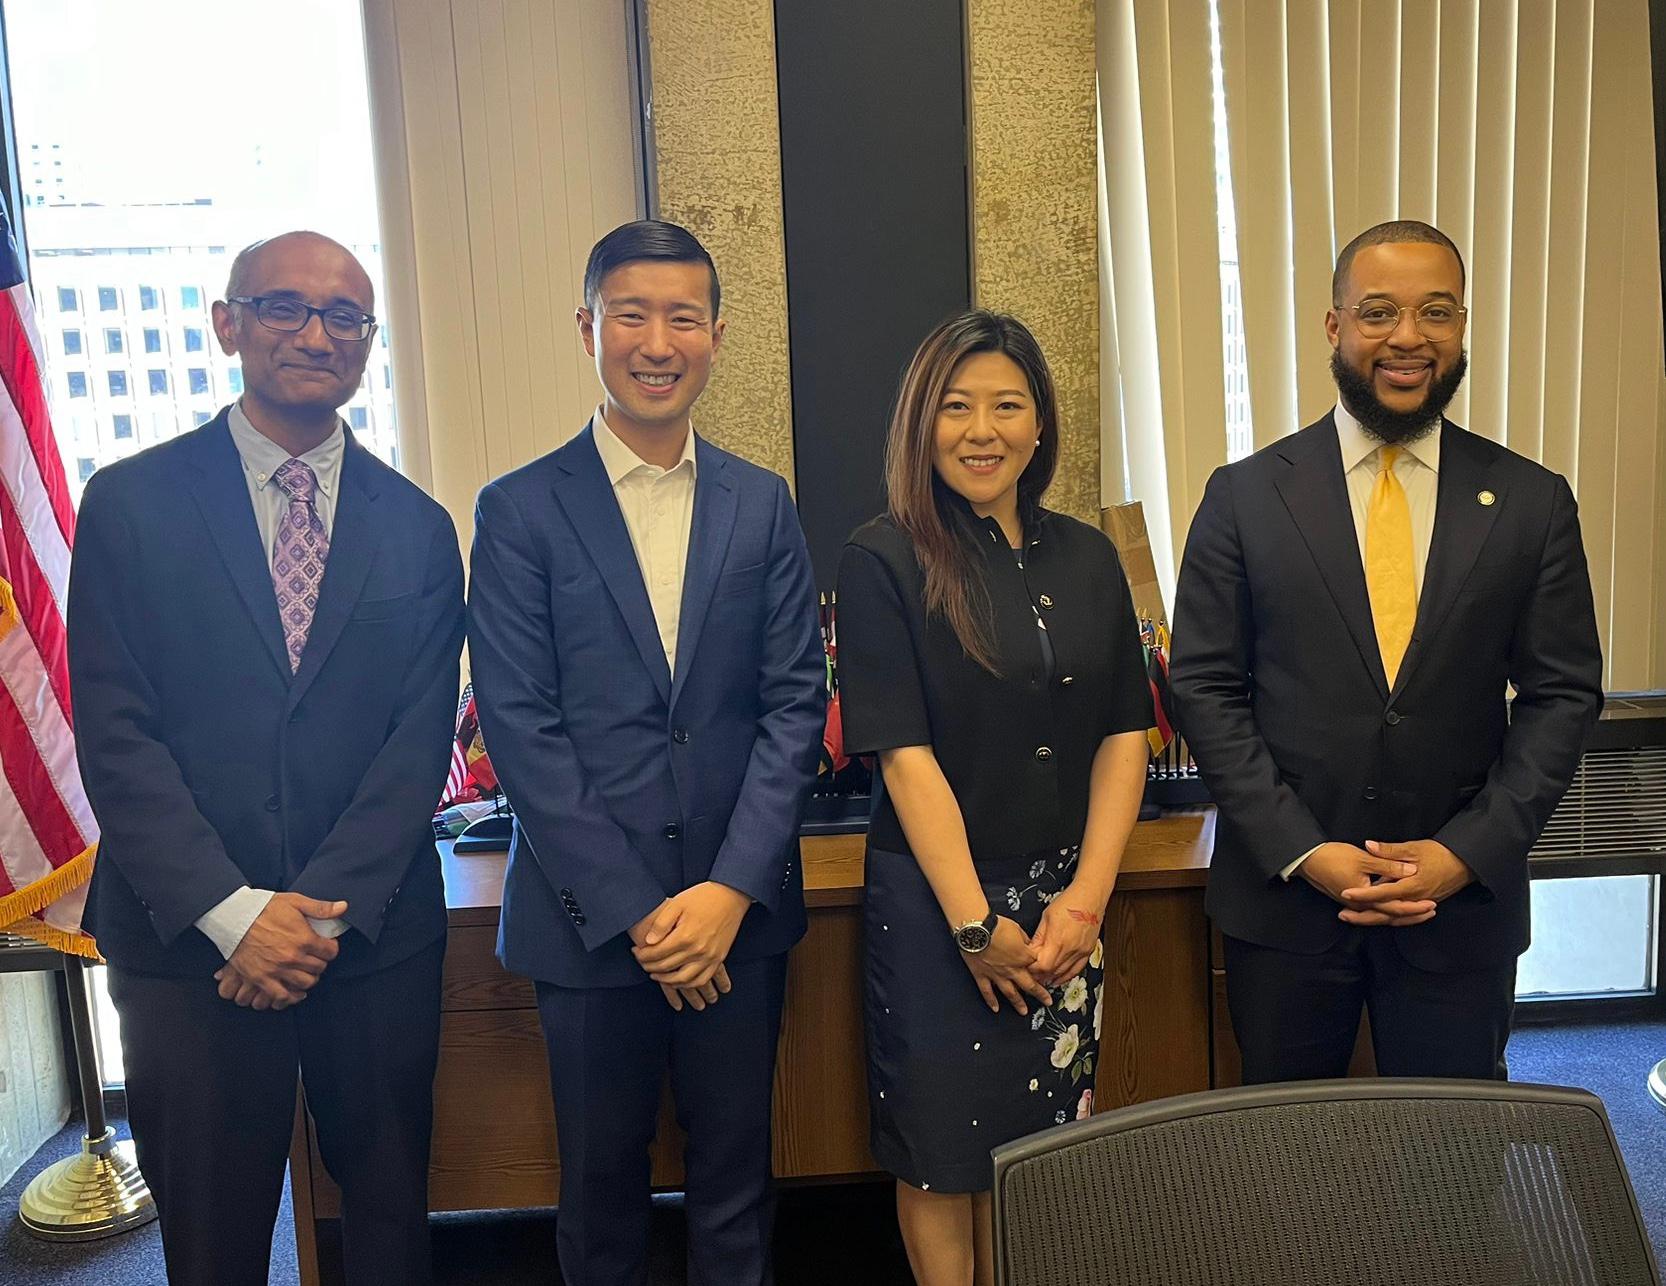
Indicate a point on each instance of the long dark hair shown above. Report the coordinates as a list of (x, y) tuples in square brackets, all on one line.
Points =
[(920, 503)]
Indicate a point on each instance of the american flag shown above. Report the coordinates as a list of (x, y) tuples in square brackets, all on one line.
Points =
[(47, 832), (458, 775)]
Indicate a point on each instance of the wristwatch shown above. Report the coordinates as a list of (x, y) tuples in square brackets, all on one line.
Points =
[(975, 935)]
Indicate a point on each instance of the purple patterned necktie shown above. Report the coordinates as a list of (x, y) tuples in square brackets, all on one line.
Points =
[(299, 551)]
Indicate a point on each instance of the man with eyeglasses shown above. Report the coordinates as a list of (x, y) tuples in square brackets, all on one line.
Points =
[(264, 630), (1354, 603)]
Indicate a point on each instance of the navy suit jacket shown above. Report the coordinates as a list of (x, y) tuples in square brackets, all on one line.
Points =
[(207, 763), (630, 785), (1282, 695)]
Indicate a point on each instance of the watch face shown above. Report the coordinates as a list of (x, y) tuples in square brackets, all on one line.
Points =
[(972, 938)]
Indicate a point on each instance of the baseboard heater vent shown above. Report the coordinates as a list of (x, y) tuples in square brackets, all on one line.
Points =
[(1612, 821)]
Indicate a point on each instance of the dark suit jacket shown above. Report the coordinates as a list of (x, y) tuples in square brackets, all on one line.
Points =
[(629, 786), (1280, 688), (208, 765)]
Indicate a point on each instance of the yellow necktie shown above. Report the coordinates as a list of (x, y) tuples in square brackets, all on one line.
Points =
[(1388, 564)]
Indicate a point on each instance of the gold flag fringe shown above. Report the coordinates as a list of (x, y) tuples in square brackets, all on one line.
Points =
[(18, 909)]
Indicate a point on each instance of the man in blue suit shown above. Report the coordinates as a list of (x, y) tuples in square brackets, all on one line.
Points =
[(650, 680), (264, 626)]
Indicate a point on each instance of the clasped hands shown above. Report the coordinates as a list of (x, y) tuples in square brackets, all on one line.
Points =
[(684, 941), (281, 957), (1386, 884), (1015, 965)]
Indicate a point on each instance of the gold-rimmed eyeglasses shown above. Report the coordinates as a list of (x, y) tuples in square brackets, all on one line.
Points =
[(1379, 318)]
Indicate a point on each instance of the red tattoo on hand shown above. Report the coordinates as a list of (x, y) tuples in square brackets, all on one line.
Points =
[(1086, 917)]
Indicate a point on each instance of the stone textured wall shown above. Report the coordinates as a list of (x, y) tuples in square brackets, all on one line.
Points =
[(1034, 214), (34, 1080), (717, 143)]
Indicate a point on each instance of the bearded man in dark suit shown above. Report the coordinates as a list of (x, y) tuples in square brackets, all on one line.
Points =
[(1355, 602)]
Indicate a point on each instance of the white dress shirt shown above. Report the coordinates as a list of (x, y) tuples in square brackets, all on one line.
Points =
[(228, 920), (658, 508), (1418, 471)]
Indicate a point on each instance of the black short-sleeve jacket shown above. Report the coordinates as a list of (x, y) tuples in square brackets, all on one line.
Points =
[(1017, 749)]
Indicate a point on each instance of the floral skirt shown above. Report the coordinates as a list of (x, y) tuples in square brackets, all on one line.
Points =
[(948, 1080)]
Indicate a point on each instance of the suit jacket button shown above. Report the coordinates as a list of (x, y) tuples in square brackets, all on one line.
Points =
[(1067, 679), (672, 831), (1392, 718), (271, 803), (1370, 792), (578, 918), (1043, 753), (680, 736), (1046, 601)]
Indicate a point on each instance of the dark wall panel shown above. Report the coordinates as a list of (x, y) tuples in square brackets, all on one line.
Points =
[(873, 170)]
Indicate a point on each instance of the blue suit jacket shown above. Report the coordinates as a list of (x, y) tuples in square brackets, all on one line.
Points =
[(207, 763), (630, 785)]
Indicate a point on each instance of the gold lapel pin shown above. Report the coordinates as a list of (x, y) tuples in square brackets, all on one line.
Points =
[(1486, 497)]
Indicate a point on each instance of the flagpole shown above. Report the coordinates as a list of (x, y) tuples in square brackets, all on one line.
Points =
[(99, 1192)]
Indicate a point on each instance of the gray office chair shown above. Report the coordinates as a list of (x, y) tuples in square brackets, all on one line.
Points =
[(1326, 1183)]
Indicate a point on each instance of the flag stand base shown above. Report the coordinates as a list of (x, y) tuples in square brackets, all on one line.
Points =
[(97, 1194), (100, 1192)]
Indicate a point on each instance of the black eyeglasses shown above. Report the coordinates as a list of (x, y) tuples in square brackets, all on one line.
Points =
[(280, 312)]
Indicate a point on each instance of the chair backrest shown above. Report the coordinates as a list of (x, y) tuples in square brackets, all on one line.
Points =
[(1326, 1183)]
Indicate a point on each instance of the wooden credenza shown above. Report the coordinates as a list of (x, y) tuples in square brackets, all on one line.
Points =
[(494, 1128)]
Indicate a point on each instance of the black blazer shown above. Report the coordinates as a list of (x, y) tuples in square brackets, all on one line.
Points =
[(207, 764), (1281, 692)]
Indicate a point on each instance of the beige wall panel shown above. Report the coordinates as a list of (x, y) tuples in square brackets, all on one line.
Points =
[(717, 139), (1035, 248), (503, 139)]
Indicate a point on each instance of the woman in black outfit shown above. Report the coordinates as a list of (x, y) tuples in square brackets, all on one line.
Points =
[(988, 654)]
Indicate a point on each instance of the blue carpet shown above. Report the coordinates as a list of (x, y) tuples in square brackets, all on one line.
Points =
[(829, 1235)]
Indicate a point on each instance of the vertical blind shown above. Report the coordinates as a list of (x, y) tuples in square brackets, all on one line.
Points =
[(1521, 128), (504, 149)]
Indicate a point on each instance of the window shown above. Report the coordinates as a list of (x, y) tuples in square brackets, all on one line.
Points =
[(121, 426), (234, 380), (84, 468), (118, 383), (200, 418), (78, 383), (199, 380), (387, 377), (112, 341), (141, 237), (358, 417), (72, 342)]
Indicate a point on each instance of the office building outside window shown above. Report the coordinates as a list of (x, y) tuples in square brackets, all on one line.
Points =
[(72, 343), (143, 237), (112, 341), (118, 383), (121, 427)]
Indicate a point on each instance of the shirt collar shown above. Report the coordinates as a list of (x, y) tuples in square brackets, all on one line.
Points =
[(261, 456), (620, 461), (1358, 445)]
